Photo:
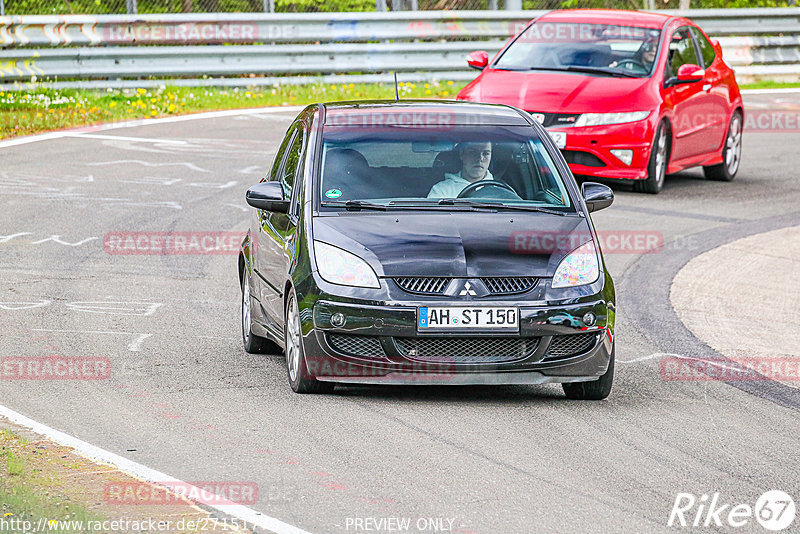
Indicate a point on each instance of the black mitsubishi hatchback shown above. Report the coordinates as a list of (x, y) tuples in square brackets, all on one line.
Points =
[(421, 242)]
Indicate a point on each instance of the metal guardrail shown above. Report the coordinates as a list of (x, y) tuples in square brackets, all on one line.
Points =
[(425, 45), (247, 28)]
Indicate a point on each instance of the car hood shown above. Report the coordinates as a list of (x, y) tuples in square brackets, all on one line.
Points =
[(455, 244), (558, 92)]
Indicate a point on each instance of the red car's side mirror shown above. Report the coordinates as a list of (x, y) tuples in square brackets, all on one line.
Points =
[(478, 59), (690, 73)]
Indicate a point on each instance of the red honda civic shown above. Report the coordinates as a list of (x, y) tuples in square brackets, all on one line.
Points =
[(624, 94)]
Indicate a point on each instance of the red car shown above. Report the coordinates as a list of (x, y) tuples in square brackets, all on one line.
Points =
[(624, 94)]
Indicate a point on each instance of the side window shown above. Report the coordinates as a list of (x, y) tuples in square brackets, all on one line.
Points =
[(276, 164), (681, 52), (292, 163), (706, 50)]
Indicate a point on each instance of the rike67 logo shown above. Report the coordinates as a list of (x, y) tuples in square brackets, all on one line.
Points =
[(774, 510)]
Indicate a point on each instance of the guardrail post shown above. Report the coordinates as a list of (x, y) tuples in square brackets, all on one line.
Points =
[(269, 6), (380, 5), (130, 5), (2, 9), (514, 5)]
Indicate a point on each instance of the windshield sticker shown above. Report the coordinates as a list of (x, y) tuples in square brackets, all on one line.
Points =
[(333, 193)]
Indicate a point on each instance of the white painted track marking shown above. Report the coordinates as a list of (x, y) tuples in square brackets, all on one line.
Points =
[(133, 346), (121, 138), (146, 122), (135, 469)]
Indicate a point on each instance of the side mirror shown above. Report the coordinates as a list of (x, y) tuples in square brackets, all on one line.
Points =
[(478, 60), (690, 73), (597, 196), (267, 196)]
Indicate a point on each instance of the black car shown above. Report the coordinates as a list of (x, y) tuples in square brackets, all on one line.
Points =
[(421, 242)]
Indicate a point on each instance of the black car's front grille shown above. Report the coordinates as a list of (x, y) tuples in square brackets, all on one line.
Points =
[(509, 285), (423, 285), (570, 345), (363, 346), (501, 285), (467, 349)]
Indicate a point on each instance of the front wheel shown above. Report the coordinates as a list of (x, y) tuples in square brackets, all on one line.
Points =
[(657, 166), (596, 389), (731, 153), (253, 343), (300, 379)]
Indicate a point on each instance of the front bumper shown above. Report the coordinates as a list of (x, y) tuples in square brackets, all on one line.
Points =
[(381, 345), (588, 149)]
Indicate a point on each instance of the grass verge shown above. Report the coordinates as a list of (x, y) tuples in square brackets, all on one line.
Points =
[(46, 487), (42, 109)]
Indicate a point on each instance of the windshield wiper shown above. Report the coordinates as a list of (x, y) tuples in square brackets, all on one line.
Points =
[(495, 205), (356, 205), (601, 70)]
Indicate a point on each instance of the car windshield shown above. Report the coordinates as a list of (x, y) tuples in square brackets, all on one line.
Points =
[(458, 167), (602, 49)]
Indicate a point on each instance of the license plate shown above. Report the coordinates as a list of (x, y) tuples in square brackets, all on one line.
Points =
[(460, 318), (559, 138)]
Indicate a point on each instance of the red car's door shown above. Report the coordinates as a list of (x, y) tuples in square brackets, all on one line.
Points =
[(716, 98), (691, 122)]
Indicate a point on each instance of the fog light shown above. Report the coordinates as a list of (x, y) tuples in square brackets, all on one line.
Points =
[(589, 319), (337, 320), (625, 156)]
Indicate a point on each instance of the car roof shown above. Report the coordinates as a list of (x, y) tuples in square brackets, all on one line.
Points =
[(615, 17), (420, 113)]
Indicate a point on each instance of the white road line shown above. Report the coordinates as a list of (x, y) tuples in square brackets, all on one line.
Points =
[(188, 165), (243, 513), (121, 138), (775, 91), (133, 346), (146, 122)]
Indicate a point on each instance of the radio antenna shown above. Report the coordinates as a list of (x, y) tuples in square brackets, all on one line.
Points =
[(396, 92)]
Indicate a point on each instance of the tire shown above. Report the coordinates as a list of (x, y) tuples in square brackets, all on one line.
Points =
[(300, 379), (657, 166), (252, 343), (731, 153), (596, 389)]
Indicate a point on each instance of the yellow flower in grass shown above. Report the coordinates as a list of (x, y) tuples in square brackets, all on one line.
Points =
[(450, 82), (141, 91), (112, 104)]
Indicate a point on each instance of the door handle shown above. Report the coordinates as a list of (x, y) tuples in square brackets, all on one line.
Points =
[(707, 87)]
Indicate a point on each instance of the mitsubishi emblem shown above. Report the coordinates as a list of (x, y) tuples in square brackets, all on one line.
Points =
[(467, 290)]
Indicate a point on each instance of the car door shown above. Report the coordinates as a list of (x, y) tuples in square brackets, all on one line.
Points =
[(715, 99), (277, 230), (689, 123)]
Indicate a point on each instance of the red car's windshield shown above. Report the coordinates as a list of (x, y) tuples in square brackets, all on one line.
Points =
[(581, 47)]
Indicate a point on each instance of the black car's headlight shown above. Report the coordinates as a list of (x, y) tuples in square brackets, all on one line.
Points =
[(340, 267), (579, 268)]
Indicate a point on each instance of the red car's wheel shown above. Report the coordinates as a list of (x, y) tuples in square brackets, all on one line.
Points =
[(731, 153), (657, 166)]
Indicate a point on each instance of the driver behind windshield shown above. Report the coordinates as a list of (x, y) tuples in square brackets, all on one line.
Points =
[(475, 158), (645, 56)]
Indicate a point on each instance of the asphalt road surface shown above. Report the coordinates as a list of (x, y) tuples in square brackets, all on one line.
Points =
[(185, 399)]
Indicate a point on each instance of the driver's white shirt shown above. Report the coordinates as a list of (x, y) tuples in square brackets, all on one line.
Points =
[(452, 185)]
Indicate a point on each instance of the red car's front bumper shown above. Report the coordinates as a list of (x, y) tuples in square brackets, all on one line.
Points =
[(588, 149)]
